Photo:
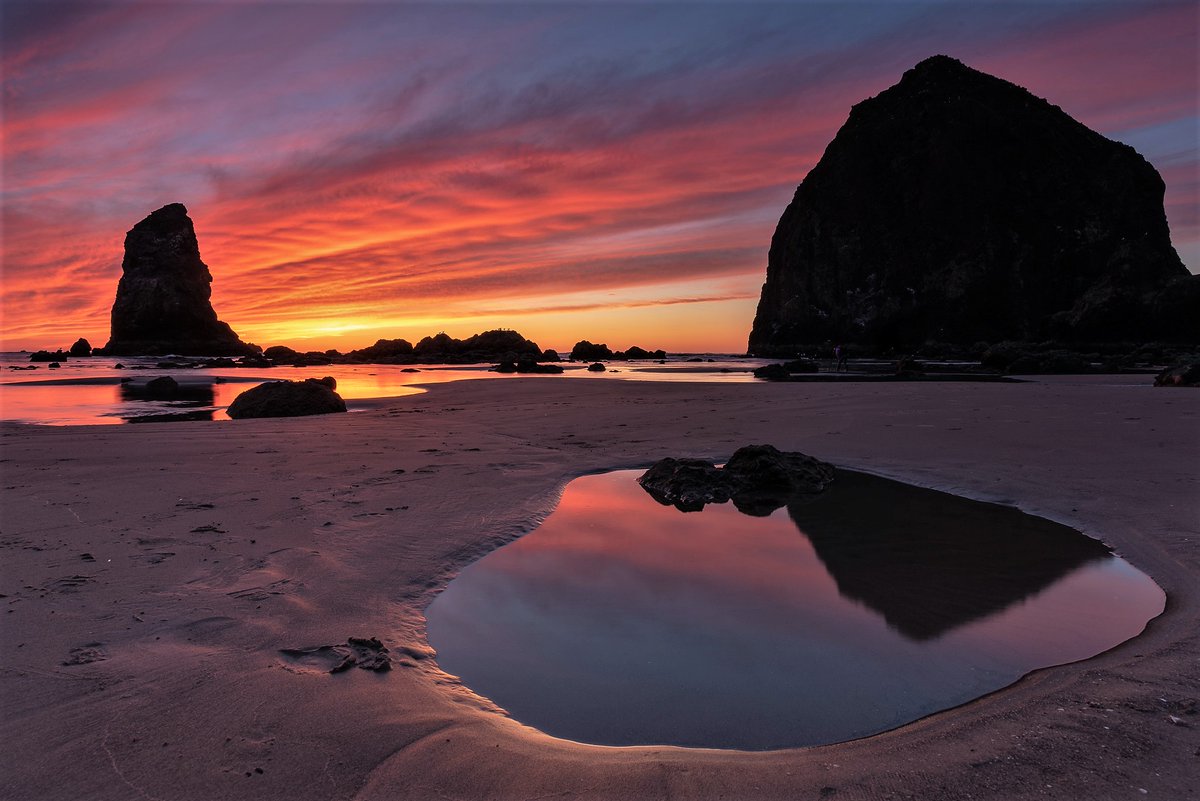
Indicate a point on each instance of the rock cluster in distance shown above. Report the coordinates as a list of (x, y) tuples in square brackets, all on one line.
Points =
[(958, 207), (162, 304)]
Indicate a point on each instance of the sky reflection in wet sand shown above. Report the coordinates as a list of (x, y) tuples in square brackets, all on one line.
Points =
[(623, 622)]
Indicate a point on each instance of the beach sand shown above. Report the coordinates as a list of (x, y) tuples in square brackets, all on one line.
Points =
[(152, 574)]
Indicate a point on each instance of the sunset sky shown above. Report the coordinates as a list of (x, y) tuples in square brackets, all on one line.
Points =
[(608, 171)]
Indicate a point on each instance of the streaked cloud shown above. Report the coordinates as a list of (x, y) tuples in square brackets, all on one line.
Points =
[(353, 166)]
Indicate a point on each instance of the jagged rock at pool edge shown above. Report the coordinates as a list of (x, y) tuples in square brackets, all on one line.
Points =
[(162, 304), (288, 399), (958, 207), (758, 479)]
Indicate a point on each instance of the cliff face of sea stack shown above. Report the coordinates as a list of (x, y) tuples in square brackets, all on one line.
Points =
[(958, 207), (162, 303)]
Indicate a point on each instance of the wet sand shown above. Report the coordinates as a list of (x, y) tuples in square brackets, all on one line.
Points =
[(152, 575)]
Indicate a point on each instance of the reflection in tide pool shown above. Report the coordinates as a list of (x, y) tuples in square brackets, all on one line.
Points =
[(623, 622)]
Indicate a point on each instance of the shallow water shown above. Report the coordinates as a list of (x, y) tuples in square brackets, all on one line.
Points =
[(623, 622), (87, 391)]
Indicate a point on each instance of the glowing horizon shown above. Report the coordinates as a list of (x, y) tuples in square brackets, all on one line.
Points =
[(358, 171)]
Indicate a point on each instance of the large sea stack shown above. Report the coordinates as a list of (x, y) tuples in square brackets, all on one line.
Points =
[(957, 207), (162, 303)]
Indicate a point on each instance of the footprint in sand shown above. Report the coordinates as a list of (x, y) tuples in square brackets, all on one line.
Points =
[(86, 654), (367, 653)]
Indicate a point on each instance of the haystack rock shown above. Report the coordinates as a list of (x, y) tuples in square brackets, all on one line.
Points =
[(162, 303), (958, 207)]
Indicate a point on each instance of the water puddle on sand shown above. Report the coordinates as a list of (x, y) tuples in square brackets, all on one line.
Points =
[(623, 622)]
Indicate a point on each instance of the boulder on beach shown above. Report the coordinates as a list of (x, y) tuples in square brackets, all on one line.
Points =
[(596, 367), (288, 399), (162, 304), (957, 207), (81, 348), (758, 479), (1183, 375)]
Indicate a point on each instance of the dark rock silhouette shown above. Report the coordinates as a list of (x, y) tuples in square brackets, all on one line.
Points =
[(282, 354), (596, 367), (47, 356), (784, 371), (758, 479), (288, 399), (162, 303), (382, 351), (585, 351), (958, 207), (1184, 375), (527, 364), (81, 348), (929, 561), (163, 387)]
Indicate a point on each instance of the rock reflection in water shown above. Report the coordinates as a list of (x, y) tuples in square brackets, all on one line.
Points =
[(929, 561), (623, 622), (141, 403)]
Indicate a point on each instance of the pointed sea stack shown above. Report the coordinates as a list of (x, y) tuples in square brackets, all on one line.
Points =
[(162, 303), (958, 207)]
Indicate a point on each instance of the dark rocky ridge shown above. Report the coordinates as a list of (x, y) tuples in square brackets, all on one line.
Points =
[(958, 207), (162, 303)]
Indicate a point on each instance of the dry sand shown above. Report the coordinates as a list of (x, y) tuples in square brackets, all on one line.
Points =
[(151, 669)]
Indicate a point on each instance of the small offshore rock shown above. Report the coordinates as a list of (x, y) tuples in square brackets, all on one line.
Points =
[(596, 367), (81, 348)]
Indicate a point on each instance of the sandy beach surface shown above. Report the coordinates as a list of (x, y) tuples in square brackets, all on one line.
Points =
[(152, 574)]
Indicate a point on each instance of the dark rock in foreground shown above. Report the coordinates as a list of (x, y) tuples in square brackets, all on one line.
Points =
[(1184, 375), (758, 479), (958, 207), (162, 303), (596, 367), (288, 399)]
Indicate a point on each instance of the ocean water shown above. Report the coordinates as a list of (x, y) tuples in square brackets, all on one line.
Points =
[(89, 391)]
